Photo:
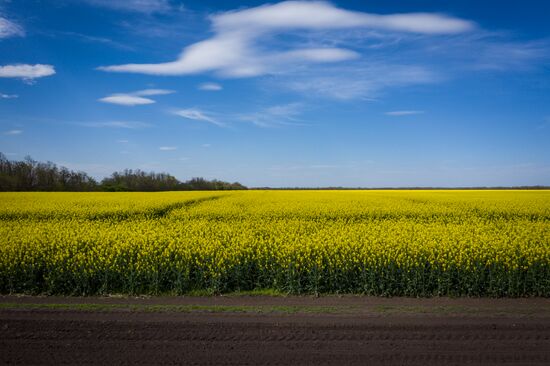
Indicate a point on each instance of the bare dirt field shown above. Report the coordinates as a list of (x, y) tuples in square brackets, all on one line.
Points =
[(253, 330)]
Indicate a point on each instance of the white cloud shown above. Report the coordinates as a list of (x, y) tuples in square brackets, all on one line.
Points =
[(116, 124), (206, 145), (197, 115), (122, 141), (494, 51), (323, 15), (13, 132), (495, 55), (210, 86), (26, 72), (127, 100), (10, 29), (359, 81), (168, 148), (234, 50), (285, 114), (94, 39), (134, 98), (150, 92), (142, 6), (8, 96), (403, 113)]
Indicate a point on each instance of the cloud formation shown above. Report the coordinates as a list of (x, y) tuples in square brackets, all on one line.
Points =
[(278, 115), (235, 50), (8, 96), (10, 29), (127, 100), (141, 6), (134, 98), (197, 115), (168, 148), (364, 80), (116, 124), (13, 132), (403, 113), (210, 86), (27, 73)]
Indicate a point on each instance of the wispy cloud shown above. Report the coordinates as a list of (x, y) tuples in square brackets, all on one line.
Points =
[(116, 124), (134, 98), (285, 114), (494, 51), (168, 148), (27, 73), (94, 39), (198, 115), (365, 80), (403, 113), (122, 141), (13, 132), (10, 29), (210, 86), (150, 92), (142, 6), (8, 96), (234, 49)]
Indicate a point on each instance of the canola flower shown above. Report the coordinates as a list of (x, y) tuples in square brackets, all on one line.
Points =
[(413, 243)]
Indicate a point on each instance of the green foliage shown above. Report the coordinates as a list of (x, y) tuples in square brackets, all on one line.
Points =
[(30, 175)]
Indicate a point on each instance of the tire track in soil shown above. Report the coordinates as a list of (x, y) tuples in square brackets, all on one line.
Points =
[(61, 338)]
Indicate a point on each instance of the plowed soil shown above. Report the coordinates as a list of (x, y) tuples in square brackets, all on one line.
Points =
[(275, 331)]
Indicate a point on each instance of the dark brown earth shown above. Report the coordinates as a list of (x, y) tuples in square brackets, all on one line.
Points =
[(275, 331)]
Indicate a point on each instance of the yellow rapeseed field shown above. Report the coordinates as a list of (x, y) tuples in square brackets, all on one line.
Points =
[(414, 243)]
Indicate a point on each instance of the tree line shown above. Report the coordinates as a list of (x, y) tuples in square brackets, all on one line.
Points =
[(32, 175)]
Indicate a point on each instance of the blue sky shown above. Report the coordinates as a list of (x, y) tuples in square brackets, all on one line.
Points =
[(343, 93)]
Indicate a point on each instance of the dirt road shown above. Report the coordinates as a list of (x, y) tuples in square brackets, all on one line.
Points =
[(274, 331)]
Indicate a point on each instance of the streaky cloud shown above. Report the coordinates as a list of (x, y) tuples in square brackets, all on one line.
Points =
[(116, 124), (135, 98), (210, 87), (26, 72), (403, 113), (197, 115), (140, 6), (8, 96), (10, 29), (126, 100)]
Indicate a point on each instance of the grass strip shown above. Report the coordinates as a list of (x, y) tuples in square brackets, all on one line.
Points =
[(458, 310), (261, 309), (284, 309)]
